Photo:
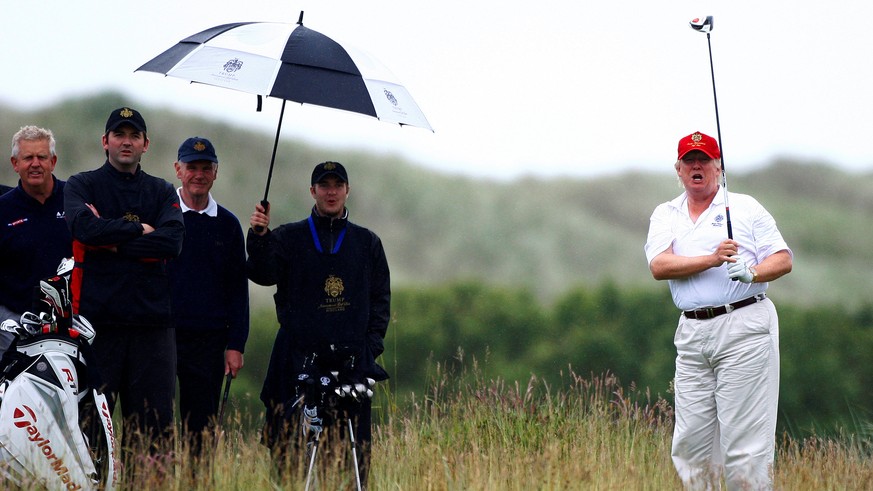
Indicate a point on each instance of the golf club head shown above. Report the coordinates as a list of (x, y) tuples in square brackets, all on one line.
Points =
[(701, 24)]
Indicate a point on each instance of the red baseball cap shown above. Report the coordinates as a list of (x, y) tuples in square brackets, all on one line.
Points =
[(699, 141)]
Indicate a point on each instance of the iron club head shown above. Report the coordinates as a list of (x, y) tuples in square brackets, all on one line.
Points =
[(701, 24)]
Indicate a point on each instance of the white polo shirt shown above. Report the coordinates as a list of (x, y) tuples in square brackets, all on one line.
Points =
[(753, 227), (210, 210)]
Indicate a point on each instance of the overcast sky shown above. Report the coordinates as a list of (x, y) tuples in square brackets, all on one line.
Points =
[(511, 88)]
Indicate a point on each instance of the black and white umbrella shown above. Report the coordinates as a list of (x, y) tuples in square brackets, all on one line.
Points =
[(293, 63)]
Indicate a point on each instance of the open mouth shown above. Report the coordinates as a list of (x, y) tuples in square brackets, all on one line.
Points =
[(697, 177)]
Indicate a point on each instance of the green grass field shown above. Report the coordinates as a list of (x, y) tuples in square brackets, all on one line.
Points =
[(468, 433)]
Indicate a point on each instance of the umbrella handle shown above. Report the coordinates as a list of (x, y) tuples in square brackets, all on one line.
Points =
[(266, 205)]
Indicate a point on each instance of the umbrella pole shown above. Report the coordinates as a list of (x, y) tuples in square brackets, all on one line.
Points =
[(266, 203)]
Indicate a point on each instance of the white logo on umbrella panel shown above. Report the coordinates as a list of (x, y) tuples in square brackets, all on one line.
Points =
[(233, 65), (397, 109), (390, 97), (228, 74)]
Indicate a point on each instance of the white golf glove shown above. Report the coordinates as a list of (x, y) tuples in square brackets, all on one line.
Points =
[(740, 271)]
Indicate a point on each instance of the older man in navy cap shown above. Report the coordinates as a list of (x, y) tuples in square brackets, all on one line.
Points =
[(210, 291), (126, 225)]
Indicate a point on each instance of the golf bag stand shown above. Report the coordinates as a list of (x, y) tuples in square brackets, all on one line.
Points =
[(325, 382), (312, 428), (45, 385), (354, 453)]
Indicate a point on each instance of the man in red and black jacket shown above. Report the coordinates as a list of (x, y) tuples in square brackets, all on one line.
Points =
[(125, 226)]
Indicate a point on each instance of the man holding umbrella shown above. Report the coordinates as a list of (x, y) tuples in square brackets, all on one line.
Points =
[(333, 306), (727, 341)]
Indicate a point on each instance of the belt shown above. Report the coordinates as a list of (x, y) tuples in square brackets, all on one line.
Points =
[(710, 312)]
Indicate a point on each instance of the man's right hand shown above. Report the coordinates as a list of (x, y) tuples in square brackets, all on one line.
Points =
[(725, 252), (260, 220)]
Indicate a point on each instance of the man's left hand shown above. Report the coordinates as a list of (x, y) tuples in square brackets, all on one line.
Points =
[(741, 271), (233, 362)]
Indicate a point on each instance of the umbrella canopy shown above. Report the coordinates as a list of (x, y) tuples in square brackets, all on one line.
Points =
[(291, 62)]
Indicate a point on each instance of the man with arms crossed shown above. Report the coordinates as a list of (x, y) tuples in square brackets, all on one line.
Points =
[(126, 225)]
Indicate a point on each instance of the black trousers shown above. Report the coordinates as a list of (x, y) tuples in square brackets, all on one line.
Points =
[(200, 371), (138, 366)]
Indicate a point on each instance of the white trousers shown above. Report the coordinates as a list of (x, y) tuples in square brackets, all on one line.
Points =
[(726, 396)]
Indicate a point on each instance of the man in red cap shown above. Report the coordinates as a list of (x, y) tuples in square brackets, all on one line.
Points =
[(727, 341)]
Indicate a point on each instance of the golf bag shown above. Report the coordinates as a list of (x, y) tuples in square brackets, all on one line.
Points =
[(328, 387), (56, 429)]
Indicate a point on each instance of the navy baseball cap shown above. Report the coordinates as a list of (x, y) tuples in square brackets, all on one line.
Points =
[(325, 169), (125, 115), (197, 148)]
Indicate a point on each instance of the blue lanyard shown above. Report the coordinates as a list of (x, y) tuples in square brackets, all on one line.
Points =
[(317, 242)]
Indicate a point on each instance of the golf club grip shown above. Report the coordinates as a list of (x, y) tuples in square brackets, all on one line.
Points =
[(727, 213), (266, 205)]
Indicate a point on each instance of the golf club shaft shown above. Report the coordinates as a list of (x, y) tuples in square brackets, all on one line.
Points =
[(354, 454), (224, 399), (727, 208), (313, 451)]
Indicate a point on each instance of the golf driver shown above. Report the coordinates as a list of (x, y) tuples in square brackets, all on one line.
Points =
[(704, 24)]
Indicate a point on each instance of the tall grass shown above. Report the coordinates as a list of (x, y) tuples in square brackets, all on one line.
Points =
[(472, 433), (487, 434)]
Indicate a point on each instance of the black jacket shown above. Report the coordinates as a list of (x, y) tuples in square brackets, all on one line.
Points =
[(336, 300), (130, 285)]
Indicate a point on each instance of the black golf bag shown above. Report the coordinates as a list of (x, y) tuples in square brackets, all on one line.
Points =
[(328, 389), (55, 426)]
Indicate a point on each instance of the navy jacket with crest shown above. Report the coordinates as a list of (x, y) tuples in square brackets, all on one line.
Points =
[(337, 296)]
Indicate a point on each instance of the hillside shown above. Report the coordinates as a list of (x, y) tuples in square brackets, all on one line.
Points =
[(544, 234)]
